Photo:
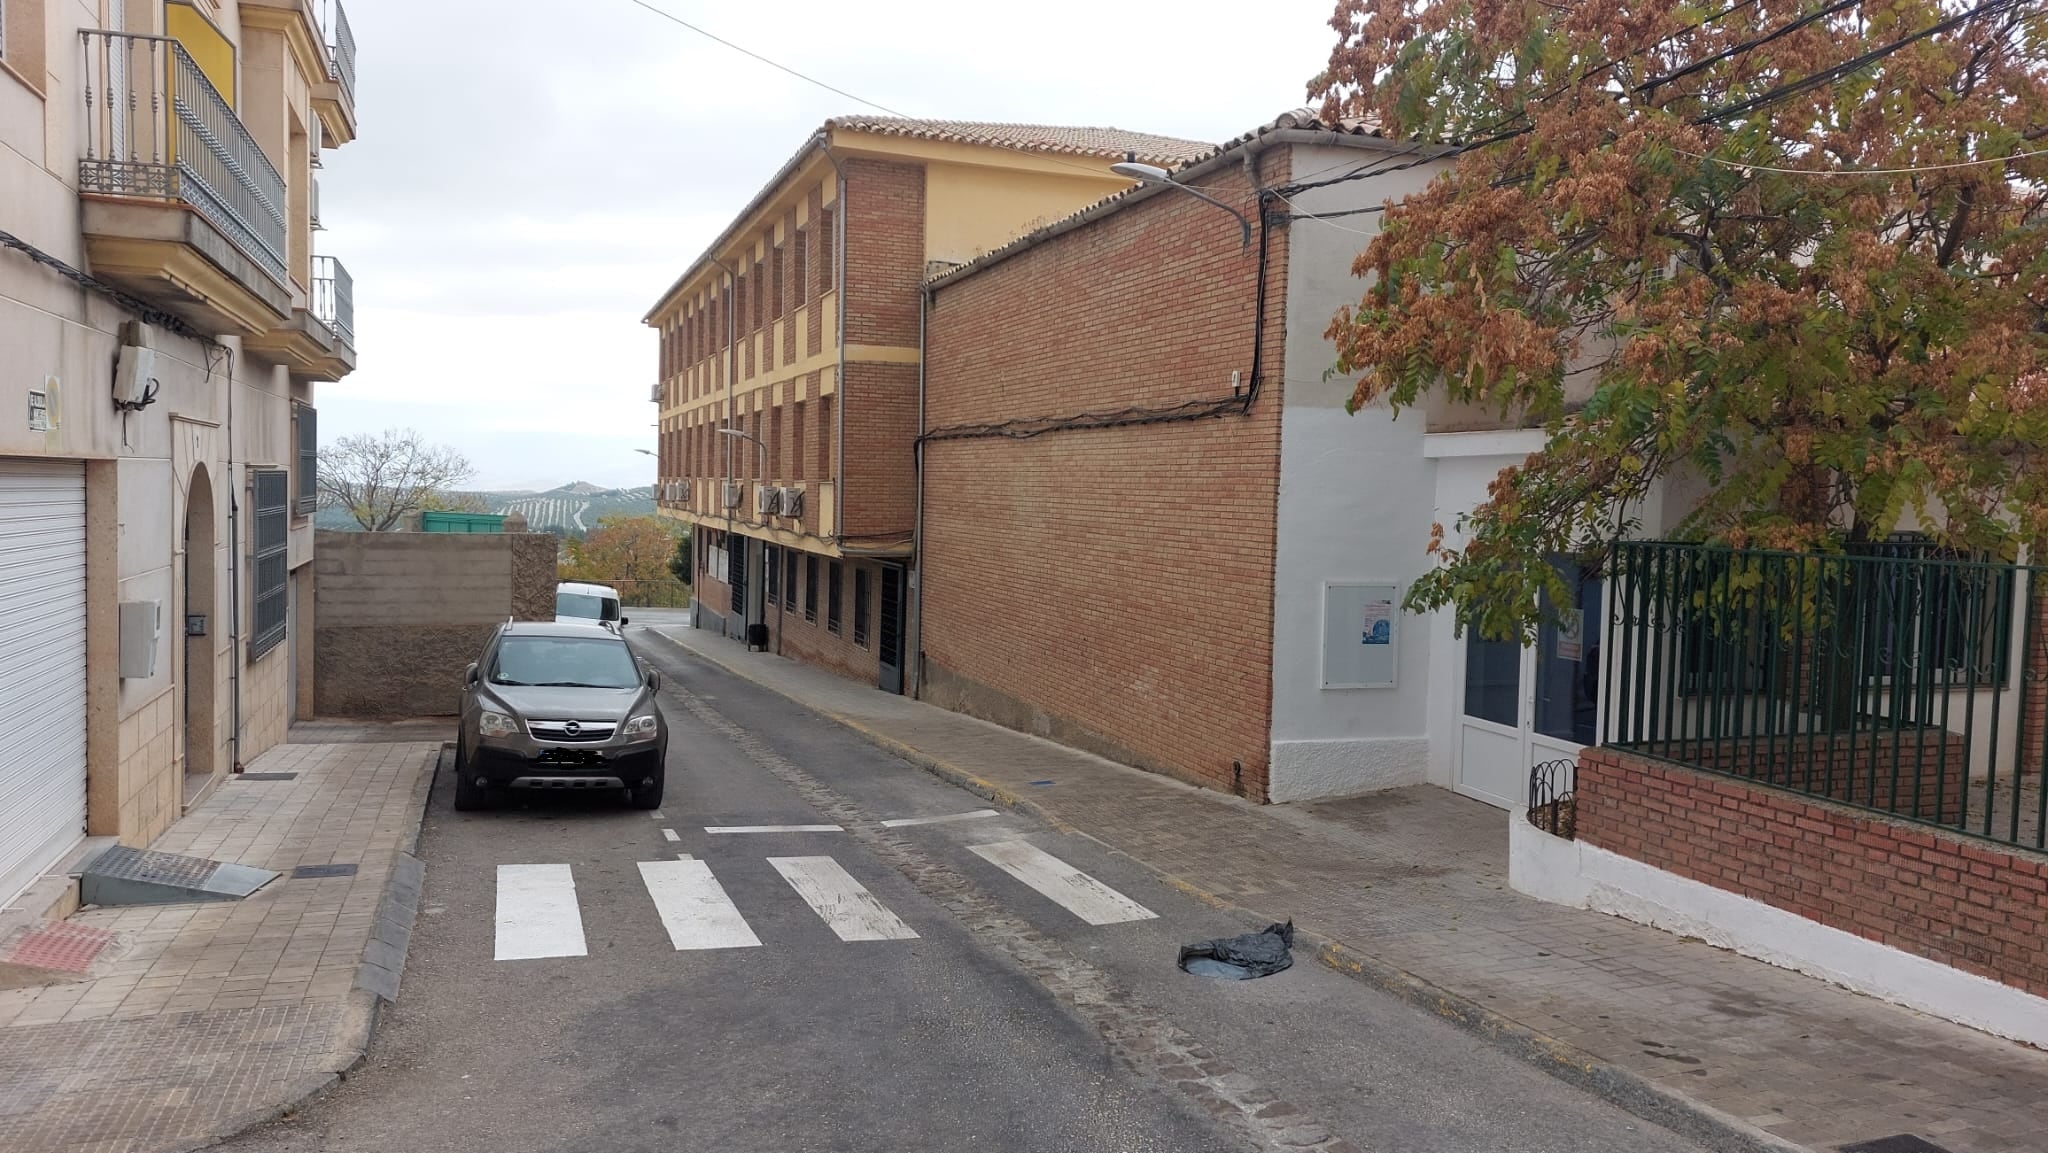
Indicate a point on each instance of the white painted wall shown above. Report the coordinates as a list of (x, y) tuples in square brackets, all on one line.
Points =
[(1354, 505), (1588, 877)]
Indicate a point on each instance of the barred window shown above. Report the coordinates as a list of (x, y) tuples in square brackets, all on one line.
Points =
[(811, 589), (833, 586), (860, 607), (306, 484), (789, 580), (271, 544)]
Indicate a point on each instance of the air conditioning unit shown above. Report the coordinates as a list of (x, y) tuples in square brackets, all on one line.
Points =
[(792, 502), (767, 499), (654, 394), (734, 492)]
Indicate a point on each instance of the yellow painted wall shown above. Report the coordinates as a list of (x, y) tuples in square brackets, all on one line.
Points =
[(208, 48), (970, 210)]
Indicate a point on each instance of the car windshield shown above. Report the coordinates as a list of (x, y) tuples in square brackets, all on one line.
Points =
[(586, 605), (564, 662)]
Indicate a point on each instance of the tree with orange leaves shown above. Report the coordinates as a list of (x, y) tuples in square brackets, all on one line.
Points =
[(1798, 252)]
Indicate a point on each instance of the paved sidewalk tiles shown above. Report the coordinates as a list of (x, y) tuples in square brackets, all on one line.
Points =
[(210, 1014), (1416, 880)]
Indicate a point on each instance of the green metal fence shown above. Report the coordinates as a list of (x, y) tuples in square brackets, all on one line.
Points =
[(1898, 677)]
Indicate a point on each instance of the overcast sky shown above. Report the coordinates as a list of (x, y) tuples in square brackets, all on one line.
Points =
[(530, 175)]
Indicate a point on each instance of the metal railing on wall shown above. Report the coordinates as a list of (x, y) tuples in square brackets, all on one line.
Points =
[(334, 297), (156, 128), (1897, 677)]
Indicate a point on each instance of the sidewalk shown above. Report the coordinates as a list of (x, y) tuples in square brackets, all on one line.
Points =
[(1408, 890), (201, 1019)]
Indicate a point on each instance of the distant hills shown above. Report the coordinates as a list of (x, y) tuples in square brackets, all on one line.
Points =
[(570, 510)]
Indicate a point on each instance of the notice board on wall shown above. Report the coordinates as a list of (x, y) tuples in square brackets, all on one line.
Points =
[(1361, 635)]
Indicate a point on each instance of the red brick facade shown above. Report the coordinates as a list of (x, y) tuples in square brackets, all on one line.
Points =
[(1111, 588), (1961, 902)]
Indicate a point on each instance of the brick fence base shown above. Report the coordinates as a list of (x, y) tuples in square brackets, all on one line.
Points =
[(1961, 902)]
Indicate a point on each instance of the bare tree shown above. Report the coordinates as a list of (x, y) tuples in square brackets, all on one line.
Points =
[(379, 479)]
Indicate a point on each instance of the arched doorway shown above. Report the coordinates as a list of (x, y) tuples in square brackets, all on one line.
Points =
[(197, 676)]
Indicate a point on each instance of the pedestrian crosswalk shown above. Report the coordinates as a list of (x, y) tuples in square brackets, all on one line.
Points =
[(539, 912)]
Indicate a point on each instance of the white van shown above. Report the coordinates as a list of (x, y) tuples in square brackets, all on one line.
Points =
[(576, 602)]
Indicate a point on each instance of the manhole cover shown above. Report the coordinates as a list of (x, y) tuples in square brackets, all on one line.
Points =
[(1900, 1143), (306, 871), (266, 776)]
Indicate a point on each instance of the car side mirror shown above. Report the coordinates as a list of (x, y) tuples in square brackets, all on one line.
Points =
[(624, 621), (654, 680), (469, 675)]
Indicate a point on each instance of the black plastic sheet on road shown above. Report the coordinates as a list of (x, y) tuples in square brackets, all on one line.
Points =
[(1241, 958)]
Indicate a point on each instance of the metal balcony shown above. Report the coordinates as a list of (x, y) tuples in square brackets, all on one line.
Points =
[(334, 298), (341, 46), (157, 130)]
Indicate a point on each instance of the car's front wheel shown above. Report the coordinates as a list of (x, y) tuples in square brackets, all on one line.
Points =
[(645, 796), (469, 796)]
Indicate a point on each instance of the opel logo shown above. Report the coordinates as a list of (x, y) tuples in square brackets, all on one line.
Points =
[(573, 728)]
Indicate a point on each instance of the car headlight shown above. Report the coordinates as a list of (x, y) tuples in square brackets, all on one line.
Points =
[(642, 728), (492, 724)]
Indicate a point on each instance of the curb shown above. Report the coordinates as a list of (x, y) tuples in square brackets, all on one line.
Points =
[(1669, 1109), (382, 965)]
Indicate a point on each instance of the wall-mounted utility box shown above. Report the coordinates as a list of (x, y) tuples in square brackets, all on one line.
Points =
[(141, 626)]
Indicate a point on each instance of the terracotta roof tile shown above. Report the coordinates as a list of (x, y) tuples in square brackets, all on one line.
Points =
[(1110, 143)]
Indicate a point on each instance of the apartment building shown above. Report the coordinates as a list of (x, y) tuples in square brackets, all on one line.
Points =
[(164, 320), (789, 367)]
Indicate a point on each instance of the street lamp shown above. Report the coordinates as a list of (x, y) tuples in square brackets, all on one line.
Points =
[(758, 443), (1130, 168), (644, 452)]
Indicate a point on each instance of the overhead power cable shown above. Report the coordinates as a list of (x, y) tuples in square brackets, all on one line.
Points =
[(1785, 92), (1734, 50), (777, 65)]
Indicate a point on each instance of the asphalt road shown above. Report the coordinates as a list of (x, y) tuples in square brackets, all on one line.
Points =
[(1008, 1021)]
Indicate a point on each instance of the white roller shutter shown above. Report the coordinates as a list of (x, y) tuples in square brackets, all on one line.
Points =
[(42, 667)]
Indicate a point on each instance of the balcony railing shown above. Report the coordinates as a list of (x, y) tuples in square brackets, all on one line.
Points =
[(334, 298), (155, 128), (341, 47)]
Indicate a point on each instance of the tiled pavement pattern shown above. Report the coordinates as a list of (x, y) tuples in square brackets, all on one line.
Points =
[(1417, 878), (211, 1011)]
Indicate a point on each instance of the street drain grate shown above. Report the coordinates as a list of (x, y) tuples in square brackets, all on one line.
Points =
[(305, 872), (266, 776), (1900, 1143)]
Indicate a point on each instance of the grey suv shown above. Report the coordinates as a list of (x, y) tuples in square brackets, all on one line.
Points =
[(560, 706)]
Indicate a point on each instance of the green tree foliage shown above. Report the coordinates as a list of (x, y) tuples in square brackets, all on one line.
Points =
[(1712, 241)]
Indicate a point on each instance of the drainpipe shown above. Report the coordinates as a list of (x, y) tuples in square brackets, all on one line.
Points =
[(234, 581), (732, 354), (839, 378), (924, 303)]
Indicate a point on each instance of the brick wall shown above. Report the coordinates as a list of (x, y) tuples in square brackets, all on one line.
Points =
[(1111, 588), (1963, 903), (401, 614), (880, 497), (884, 251), (1915, 772)]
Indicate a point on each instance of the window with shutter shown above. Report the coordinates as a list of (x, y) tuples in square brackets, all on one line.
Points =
[(271, 542)]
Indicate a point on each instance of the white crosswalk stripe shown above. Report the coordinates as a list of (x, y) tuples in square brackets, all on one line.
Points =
[(1074, 890), (693, 906), (539, 910), (845, 904), (537, 913)]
